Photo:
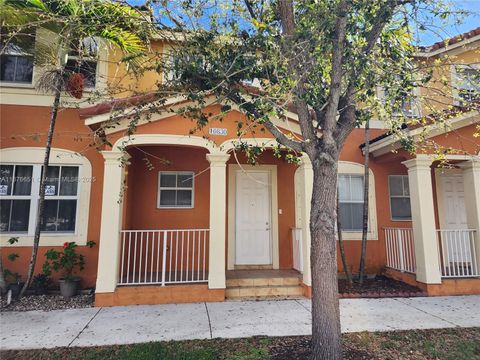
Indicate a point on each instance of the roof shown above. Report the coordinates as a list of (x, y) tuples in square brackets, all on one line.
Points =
[(442, 45), (430, 119)]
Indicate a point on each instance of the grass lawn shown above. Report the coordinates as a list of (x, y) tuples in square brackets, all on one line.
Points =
[(454, 344)]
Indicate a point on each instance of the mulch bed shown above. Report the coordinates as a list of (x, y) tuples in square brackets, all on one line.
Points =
[(47, 303), (378, 287)]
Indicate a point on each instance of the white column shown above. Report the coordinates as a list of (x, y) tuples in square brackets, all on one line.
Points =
[(111, 221), (471, 184), (306, 178), (423, 220), (218, 203)]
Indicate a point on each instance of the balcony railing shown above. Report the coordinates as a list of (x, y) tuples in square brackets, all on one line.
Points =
[(400, 249), (161, 257), (457, 253)]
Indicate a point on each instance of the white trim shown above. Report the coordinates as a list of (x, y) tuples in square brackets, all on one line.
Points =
[(232, 169), (165, 139), (392, 142), (58, 157), (192, 189), (352, 168)]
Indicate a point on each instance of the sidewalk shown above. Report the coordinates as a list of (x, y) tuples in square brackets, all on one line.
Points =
[(231, 319)]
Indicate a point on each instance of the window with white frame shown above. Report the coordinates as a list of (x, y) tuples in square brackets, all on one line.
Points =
[(466, 83), (83, 59), (61, 192), (350, 192), (16, 60), (15, 197), (175, 189), (399, 197), (19, 195)]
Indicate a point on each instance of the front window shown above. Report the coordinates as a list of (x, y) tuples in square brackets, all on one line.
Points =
[(467, 83), (19, 193), (350, 192), (16, 60), (399, 197), (175, 189), (60, 199), (16, 197)]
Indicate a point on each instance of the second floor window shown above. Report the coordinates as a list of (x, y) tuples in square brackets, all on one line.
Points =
[(82, 59), (467, 83), (16, 60)]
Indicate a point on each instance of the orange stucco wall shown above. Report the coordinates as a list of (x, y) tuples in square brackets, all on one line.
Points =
[(26, 126)]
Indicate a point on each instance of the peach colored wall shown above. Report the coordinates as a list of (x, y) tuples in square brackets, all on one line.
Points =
[(376, 257), (26, 126)]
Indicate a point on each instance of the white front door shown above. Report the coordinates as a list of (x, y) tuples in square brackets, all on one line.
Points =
[(253, 245), (454, 217)]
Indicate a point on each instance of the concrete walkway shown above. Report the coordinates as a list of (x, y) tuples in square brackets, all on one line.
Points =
[(231, 319)]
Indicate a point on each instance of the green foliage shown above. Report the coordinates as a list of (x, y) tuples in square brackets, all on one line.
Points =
[(8, 274), (77, 27), (14, 277), (67, 260), (41, 282), (12, 256)]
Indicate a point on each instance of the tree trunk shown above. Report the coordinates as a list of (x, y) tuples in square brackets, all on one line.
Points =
[(41, 200), (326, 334), (365, 204), (341, 245), (3, 284)]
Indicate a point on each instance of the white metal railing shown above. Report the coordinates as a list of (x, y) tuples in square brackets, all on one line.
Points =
[(297, 249), (457, 253), (163, 256), (400, 249)]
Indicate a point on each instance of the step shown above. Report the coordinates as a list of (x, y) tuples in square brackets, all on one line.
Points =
[(263, 291), (263, 281)]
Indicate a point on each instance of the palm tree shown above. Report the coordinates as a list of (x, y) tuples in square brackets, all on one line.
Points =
[(74, 23)]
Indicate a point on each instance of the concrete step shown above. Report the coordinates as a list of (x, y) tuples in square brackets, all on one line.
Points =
[(263, 281), (237, 292)]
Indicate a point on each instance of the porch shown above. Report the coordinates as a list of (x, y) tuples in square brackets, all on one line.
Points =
[(441, 251), (183, 227)]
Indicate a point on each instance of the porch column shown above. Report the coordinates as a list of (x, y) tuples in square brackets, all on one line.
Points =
[(307, 185), (471, 184), (423, 220), (111, 221), (218, 203)]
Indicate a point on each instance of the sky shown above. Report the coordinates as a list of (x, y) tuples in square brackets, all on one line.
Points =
[(441, 30), (450, 29)]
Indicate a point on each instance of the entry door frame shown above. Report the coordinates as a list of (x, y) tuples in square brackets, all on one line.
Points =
[(232, 179), (439, 174)]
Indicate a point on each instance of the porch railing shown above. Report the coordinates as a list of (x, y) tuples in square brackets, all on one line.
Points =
[(163, 257), (457, 253), (297, 249), (400, 249)]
